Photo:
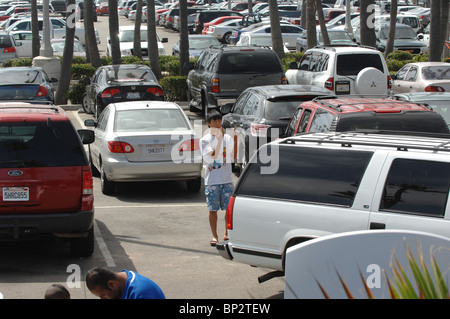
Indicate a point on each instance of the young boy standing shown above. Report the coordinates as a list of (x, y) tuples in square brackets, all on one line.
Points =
[(218, 150)]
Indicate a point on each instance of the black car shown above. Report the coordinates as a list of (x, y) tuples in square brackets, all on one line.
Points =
[(120, 83), (80, 9), (209, 15), (262, 113), (24, 83)]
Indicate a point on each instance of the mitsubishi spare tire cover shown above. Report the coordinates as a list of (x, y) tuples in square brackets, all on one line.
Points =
[(371, 81)]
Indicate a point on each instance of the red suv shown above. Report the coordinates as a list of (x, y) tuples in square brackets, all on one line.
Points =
[(364, 114), (46, 184)]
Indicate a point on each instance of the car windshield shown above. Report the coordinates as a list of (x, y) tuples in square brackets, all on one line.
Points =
[(352, 64), (261, 41), (59, 46), (150, 120), (400, 33), (28, 76), (118, 74), (128, 36), (337, 37), (198, 44), (436, 72), (249, 62)]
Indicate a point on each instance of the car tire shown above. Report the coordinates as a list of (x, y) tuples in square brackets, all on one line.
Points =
[(106, 185), (194, 185), (226, 38), (83, 246), (84, 104)]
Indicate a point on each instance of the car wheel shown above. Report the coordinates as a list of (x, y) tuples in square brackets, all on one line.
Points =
[(106, 185), (83, 246), (84, 104), (194, 185), (226, 38)]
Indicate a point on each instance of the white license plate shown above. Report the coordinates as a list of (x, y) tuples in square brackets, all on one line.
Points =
[(133, 95), (156, 149), (16, 193), (343, 87)]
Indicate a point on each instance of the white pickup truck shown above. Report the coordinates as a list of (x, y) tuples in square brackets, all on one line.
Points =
[(57, 29)]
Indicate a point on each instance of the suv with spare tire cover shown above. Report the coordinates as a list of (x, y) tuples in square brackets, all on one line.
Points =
[(46, 184)]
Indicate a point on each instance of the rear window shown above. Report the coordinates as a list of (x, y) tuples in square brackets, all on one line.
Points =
[(40, 144), (25, 76), (283, 107), (352, 64), (414, 121), (250, 62), (5, 41), (307, 175)]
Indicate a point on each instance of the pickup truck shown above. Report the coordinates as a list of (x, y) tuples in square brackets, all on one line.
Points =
[(57, 29)]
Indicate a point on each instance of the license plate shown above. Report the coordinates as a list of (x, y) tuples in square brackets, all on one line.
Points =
[(342, 87), (156, 149), (133, 95), (16, 193)]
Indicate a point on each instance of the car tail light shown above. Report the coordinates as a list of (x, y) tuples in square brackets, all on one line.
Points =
[(434, 88), (259, 129), (87, 201), (229, 212), (389, 82), (189, 145), (284, 80), (329, 84), (156, 91), (120, 147), (42, 91), (109, 93), (211, 28), (215, 85), (9, 50)]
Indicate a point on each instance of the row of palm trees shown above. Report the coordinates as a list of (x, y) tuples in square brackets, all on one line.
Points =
[(438, 33)]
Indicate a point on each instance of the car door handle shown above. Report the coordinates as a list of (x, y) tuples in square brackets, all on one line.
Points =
[(377, 225)]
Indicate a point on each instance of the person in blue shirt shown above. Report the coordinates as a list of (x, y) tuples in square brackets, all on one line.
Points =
[(107, 284)]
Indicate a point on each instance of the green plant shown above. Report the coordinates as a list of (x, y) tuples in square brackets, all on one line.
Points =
[(174, 88), (400, 55)]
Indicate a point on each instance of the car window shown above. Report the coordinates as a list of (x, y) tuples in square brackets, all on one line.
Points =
[(352, 64), (290, 129), (416, 187), (103, 119), (39, 144), (284, 107), (257, 61), (57, 24), (402, 73), (304, 62), (309, 175), (238, 107), (321, 121), (412, 74), (251, 105), (436, 72), (210, 61), (304, 121), (5, 41), (150, 120)]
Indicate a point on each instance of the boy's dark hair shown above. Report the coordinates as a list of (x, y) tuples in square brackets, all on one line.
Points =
[(99, 277), (213, 115), (57, 291)]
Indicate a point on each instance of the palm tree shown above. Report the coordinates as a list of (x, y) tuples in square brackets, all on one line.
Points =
[(91, 42), (435, 32), (35, 41), (391, 37), (153, 53), (184, 38), (114, 32), (323, 28), (445, 26), (311, 34), (367, 23), (277, 39), (137, 27), (66, 66)]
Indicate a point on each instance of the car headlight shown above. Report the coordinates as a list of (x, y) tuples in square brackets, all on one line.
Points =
[(162, 51), (125, 52)]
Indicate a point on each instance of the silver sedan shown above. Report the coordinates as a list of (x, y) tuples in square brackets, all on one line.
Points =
[(144, 141)]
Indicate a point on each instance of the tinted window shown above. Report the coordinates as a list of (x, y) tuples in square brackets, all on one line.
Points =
[(418, 187), (283, 107), (36, 144), (250, 62), (5, 41), (351, 64), (321, 121), (309, 175)]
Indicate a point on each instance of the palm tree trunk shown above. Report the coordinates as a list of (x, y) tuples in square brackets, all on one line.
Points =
[(323, 27), (367, 24), (445, 7), (35, 41), (137, 51), (435, 32), (94, 54), (311, 34), (277, 39), (153, 53), (184, 38), (114, 32), (391, 37), (66, 66)]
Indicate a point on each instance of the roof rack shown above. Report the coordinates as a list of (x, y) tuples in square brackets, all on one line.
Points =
[(370, 138), (333, 47)]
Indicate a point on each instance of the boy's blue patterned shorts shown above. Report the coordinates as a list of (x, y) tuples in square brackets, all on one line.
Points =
[(217, 196)]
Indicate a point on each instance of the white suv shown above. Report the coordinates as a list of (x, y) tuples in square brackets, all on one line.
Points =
[(313, 185), (342, 70)]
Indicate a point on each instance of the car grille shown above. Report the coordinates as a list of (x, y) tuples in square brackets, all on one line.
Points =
[(143, 51), (410, 50)]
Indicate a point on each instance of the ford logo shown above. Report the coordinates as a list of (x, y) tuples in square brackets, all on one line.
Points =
[(15, 173)]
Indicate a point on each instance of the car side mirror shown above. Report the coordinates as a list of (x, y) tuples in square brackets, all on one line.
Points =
[(394, 77), (53, 80), (188, 66), (86, 81), (90, 122), (420, 36), (226, 108), (87, 136), (293, 65), (18, 44), (164, 40)]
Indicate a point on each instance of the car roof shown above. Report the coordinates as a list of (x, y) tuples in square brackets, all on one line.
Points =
[(21, 111), (365, 104), (429, 63), (288, 90), (425, 96), (346, 49), (145, 105)]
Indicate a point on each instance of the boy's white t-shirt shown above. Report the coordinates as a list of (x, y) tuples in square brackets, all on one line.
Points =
[(217, 171)]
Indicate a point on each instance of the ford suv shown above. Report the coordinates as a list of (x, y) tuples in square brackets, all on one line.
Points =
[(318, 184), (342, 70), (46, 184), (222, 73)]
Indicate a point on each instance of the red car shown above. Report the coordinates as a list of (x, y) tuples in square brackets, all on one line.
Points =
[(103, 8), (218, 20)]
